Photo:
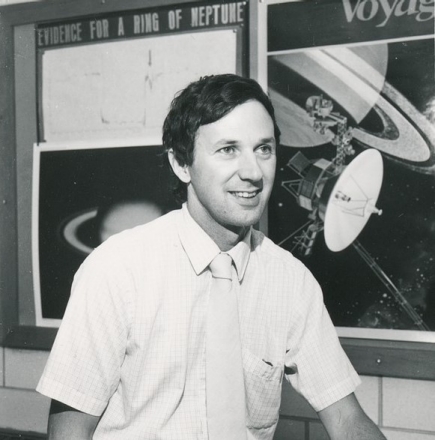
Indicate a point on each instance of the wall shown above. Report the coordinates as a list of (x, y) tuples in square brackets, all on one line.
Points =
[(22, 408), (403, 408)]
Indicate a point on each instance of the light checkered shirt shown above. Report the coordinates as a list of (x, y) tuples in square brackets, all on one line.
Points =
[(132, 343)]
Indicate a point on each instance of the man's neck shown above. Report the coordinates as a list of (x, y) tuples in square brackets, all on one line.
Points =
[(225, 237)]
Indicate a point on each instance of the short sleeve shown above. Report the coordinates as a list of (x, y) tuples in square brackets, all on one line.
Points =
[(316, 364), (84, 365)]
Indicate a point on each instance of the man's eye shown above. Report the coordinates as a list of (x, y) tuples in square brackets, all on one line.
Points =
[(265, 149), (227, 150)]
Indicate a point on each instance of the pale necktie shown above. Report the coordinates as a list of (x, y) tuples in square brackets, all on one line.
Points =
[(225, 384)]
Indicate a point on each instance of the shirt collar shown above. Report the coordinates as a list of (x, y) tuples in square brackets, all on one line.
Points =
[(201, 249)]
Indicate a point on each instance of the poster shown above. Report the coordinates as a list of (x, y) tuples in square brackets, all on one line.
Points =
[(347, 77), (84, 197), (123, 88)]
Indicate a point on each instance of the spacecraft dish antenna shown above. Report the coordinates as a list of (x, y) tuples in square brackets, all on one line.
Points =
[(352, 200)]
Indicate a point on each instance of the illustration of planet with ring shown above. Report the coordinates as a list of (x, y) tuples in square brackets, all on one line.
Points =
[(86, 230), (354, 78)]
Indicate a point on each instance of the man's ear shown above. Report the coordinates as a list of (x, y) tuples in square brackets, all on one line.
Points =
[(182, 172)]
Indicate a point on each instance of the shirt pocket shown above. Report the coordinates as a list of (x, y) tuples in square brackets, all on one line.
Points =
[(263, 381)]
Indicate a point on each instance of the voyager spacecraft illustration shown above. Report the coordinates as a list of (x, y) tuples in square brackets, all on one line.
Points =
[(354, 192), (340, 198)]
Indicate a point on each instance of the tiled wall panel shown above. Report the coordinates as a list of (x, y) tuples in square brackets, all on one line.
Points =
[(368, 396), (408, 404), (288, 429), (317, 432), (23, 410), (292, 404), (2, 377), (24, 367), (407, 435)]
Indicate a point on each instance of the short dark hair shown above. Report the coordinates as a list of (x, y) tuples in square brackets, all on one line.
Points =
[(203, 102)]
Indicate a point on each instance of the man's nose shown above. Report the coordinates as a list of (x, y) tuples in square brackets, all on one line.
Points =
[(249, 168)]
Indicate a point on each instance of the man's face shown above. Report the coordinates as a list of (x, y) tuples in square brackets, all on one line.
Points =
[(231, 177)]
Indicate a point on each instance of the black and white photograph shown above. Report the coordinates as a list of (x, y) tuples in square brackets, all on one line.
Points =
[(217, 219)]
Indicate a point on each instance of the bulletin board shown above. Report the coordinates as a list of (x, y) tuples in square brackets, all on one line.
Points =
[(369, 72), (105, 86)]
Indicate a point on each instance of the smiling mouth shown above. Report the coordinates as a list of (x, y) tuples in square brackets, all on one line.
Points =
[(245, 194)]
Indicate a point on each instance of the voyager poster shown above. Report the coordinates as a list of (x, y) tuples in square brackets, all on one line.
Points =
[(347, 77)]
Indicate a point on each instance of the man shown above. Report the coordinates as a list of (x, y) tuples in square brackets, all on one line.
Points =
[(133, 355)]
